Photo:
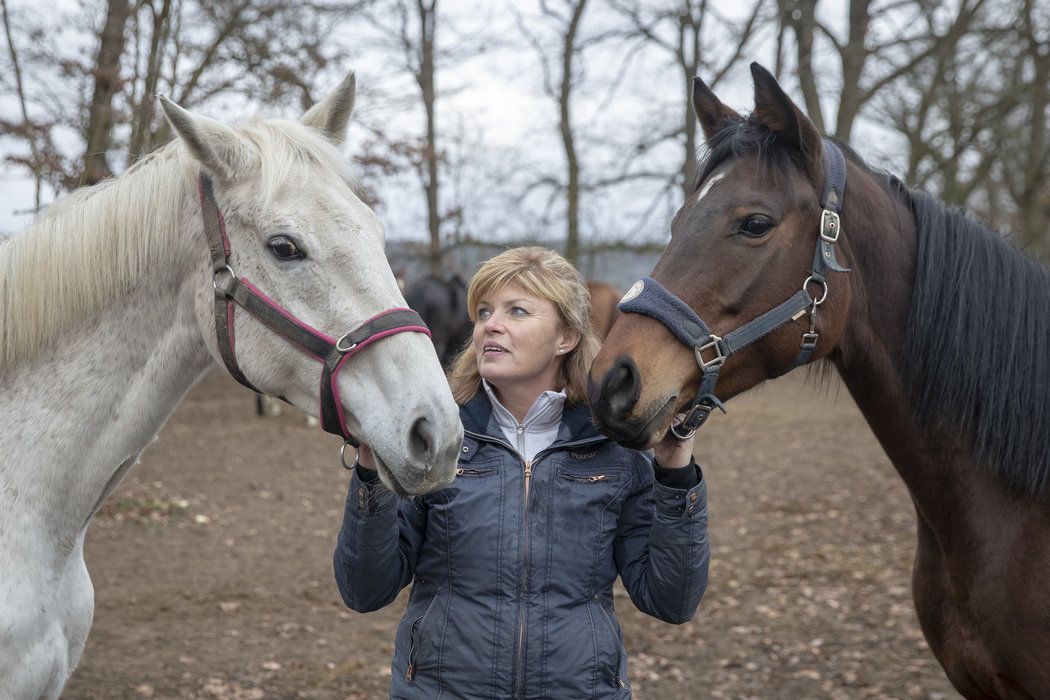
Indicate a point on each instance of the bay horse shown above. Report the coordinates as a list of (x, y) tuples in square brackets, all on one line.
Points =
[(604, 313), (118, 299), (939, 329)]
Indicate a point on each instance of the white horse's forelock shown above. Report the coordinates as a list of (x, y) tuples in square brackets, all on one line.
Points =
[(61, 267)]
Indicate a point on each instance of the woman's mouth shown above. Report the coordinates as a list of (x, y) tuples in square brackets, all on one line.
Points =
[(490, 349)]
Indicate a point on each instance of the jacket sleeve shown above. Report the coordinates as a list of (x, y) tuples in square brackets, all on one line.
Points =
[(379, 541), (662, 549)]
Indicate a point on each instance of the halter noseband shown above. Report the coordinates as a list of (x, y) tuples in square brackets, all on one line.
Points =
[(332, 353), (649, 297)]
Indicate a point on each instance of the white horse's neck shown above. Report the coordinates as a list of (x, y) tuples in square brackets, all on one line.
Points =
[(92, 401)]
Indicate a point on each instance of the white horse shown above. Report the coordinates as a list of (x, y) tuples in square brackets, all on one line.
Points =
[(107, 318)]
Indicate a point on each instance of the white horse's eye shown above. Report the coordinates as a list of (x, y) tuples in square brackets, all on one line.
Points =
[(284, 248)]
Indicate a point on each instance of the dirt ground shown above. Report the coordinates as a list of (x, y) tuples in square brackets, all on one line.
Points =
[(212, 565)]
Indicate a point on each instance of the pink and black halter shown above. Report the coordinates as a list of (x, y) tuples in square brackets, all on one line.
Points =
[(330, 352)]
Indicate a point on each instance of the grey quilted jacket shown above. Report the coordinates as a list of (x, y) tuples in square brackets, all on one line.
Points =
[(512, 577)]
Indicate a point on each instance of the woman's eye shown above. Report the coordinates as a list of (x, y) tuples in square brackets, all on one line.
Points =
[(518, 311), (756, 226), (284, 248), (484, 313)]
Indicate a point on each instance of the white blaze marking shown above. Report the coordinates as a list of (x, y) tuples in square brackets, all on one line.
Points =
[(710, 183)]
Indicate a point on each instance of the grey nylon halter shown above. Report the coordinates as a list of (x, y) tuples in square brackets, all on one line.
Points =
[(650, 298)]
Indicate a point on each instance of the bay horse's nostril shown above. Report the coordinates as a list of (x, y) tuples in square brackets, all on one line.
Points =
[(621, 387)]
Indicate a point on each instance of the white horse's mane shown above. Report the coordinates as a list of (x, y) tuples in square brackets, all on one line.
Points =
[(89, 249)]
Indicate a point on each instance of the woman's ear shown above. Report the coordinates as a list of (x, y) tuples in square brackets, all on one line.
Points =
[(568, 339)]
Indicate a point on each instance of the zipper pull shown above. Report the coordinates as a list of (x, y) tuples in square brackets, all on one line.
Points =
[(528, 468), (410, 673), (597, 477)]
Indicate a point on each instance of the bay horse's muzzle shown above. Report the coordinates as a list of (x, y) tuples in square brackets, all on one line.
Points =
[(614, 402)]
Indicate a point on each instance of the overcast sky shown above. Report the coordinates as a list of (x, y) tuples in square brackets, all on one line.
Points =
[(503, 122)]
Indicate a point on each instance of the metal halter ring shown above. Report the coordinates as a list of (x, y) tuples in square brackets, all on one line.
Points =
[(342, 457), (215, 278), (339, 344), (680, 436), (822, 283)]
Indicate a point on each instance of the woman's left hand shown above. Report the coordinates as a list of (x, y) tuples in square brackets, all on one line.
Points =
[(672, 453)]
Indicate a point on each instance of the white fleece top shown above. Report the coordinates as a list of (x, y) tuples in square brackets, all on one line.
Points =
[(540, 427)]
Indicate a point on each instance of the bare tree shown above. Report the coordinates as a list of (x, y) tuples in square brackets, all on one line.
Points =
[(974, 118), (699, 41), (27, 127), (559, 56), (883, 42), (266, 50)]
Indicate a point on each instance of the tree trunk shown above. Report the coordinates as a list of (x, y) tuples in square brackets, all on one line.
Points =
[(143, 117), (427, 31), (107, 83), (572, 222), (801, 16)]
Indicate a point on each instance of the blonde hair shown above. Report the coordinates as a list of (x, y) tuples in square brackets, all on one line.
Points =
[(543, 273)]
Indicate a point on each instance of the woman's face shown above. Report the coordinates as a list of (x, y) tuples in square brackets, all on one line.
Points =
[(520, 340)]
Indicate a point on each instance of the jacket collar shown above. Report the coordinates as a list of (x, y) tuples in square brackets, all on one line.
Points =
[(476, 415)]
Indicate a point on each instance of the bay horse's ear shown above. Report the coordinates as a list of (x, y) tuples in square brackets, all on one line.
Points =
[(775, 110), (713, 115), (220, 150), (332, 114)]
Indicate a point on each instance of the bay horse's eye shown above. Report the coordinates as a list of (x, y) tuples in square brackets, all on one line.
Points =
[(756, 226), (284, 248)]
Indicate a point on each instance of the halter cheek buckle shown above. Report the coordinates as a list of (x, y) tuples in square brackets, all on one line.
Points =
[(339, 345), (830, 226), (707, 365), (697, 416)]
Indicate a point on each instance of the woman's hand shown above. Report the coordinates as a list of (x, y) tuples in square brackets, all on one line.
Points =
[(365, 458), (672, 453)]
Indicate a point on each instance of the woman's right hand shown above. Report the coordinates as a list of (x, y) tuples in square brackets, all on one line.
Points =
[(365, 458)]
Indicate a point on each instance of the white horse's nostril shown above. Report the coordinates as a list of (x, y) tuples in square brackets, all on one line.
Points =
[(421, 443)]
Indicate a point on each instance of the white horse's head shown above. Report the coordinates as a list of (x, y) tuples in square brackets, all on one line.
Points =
[(299, 233)]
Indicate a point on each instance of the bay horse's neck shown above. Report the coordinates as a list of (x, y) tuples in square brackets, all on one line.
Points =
[(119, 370), (882, 242)]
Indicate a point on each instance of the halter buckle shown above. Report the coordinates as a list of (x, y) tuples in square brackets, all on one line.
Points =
[(809, 340), (712, 342), (830, 226), (697, 416)]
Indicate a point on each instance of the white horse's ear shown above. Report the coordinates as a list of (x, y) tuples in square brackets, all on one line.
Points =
[(332, 114), (218, 147)]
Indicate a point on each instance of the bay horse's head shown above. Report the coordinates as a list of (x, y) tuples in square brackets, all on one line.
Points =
[(299, 301), (752, 238)]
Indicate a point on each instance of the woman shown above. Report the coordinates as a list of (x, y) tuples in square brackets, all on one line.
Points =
[(513, 565)]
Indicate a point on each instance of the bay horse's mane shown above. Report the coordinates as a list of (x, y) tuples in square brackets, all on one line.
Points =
[(976, 356), (975, 360)]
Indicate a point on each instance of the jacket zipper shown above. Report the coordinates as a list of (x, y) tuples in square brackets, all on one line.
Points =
[(616, 641), (527, 464), (415, 631)]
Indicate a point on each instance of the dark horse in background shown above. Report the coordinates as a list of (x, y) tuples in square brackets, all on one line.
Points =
[(941, 333), (442, 304)]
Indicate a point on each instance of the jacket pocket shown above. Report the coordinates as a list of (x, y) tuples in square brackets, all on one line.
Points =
[(419, 625), (588, 478), (616, 642), (475, 471)]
